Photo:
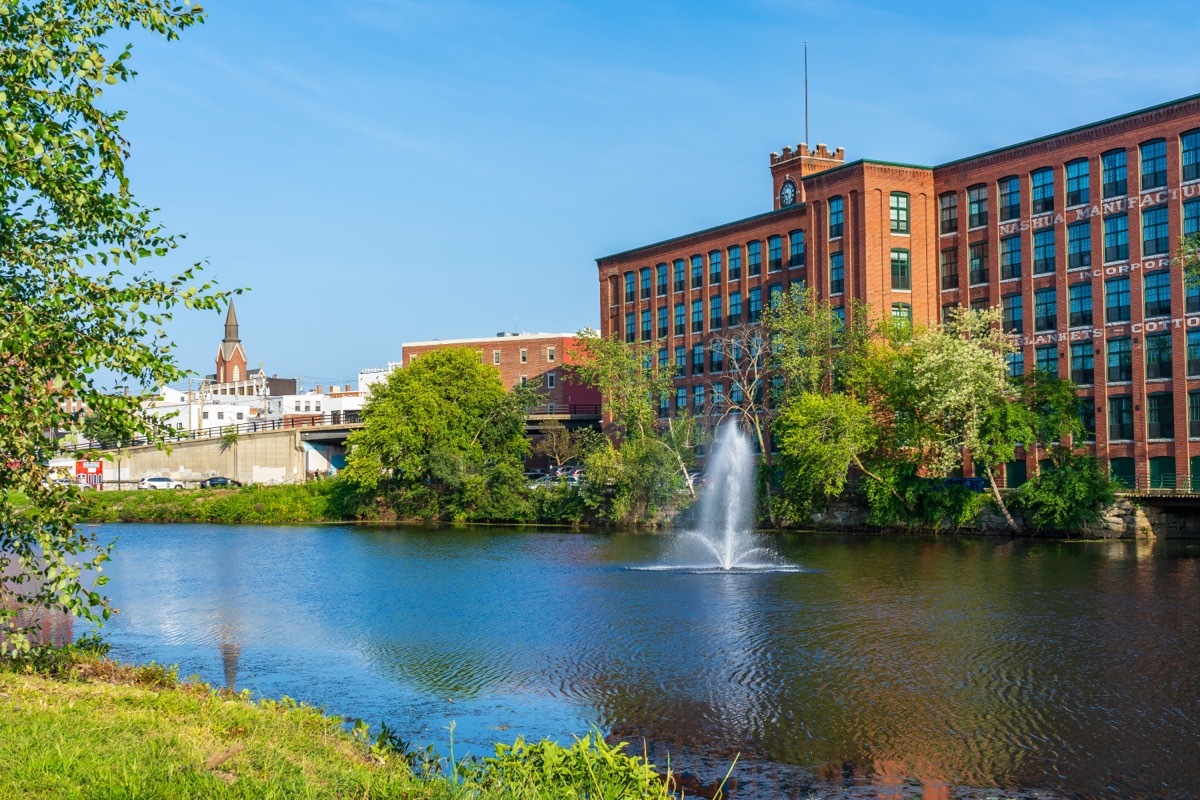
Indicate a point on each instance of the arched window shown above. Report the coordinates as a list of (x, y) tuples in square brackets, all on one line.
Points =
[(237, 372)]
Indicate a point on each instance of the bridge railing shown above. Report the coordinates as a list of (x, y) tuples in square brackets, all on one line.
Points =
[(570, 409), (301, 420)]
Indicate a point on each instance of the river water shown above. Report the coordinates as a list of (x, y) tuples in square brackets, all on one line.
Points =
[(1070, 668)]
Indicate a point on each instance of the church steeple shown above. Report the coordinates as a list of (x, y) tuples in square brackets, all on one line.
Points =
[(231, 325)]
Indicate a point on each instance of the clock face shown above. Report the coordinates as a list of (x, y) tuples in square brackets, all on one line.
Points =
[(787, 195)]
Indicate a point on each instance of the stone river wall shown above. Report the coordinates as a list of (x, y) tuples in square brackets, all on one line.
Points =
[(1125, 519)]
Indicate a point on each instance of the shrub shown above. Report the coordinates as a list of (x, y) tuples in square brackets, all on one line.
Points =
[(1066, 496)]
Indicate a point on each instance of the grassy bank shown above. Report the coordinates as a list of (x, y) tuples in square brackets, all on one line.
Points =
[(320, 501), (98, 729)]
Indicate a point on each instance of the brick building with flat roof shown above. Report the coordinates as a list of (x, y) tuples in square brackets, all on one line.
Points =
[(1071, 234)]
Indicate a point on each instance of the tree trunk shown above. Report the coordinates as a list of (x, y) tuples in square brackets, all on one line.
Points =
[(1012, 524), (877, 479)]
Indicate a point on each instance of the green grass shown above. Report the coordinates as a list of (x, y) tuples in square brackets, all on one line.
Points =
[(321, 501), (86, 727)]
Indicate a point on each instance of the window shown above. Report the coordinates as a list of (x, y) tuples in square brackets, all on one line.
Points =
[(1160, 416), (735, 308), (1043, 252), (716, 356), (697, 316), (680, 277), (680, 317), (1191, 297), (1082, 363), (647, 329), (1010, 198), (681, 398), (697, 359), (1079, 245), (1087, 415), (1113, 164), (1042, 183), (550, 380), (698, 398), (1080, 296), (754, 258), (949, 268), (1158, 355), (1158, 294), (901, 271), (774, 253), (204, 415), (660, 274), (754, 306), (1154, 231), (1162, 472), (1116, 238), (977, 207), (1194, 422), (1191, 217), (628, 329), (663, 330), (796, 249), (525, 354), (1116, 301), (735, 393), (774, 295), (663, 357), (1012, 314), (1047, 359), (221, 414), (718, 398), (898, 212), (1122, 468), (714, 267), (948, 311), (836, 217), (902, 316), (1010, 257), (630, 336), (839, 313), (1154, 164), (697, 271), (1190, 142), (1078, 190), (1120, 361), (644, 282), (1193, 354), (977, 266), (735, 262), (680, 360), (837, 273), (1016, 364), (716, 320), (629, 287), (240, 415), (1045, 309), (1120, 421), (664, 404), (948, 212)]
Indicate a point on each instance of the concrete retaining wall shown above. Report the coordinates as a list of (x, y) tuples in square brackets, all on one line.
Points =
[(269, 457)]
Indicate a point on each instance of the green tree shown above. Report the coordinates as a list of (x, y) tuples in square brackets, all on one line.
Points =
[(1067, 495), (443, 439), (1187, 257), (75, 312)]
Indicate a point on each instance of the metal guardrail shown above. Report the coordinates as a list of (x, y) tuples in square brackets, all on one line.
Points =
[(571, 409), (302, 420)]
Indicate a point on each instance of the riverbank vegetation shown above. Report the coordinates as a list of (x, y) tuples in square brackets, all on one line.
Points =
[(317, 501), (77, 725)]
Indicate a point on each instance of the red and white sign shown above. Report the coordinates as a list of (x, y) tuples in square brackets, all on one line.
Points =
[(89, 472)]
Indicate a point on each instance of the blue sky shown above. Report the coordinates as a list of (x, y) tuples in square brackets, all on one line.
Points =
[(377, 171)]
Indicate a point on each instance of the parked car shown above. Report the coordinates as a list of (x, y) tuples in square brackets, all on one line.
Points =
[(219, 482), (159, 483), (551, 481)]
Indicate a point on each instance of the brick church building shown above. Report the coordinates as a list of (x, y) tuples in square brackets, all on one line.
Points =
[(1071, 234)]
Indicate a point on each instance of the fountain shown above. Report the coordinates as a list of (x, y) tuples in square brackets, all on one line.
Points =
[(725, 533)]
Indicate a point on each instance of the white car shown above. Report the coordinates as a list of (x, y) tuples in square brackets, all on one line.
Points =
[(159, 483)]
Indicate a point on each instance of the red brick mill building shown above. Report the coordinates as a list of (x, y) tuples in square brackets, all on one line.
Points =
[(1070, 234)]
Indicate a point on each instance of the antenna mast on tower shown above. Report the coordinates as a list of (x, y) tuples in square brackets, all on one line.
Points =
[(806, 139)]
